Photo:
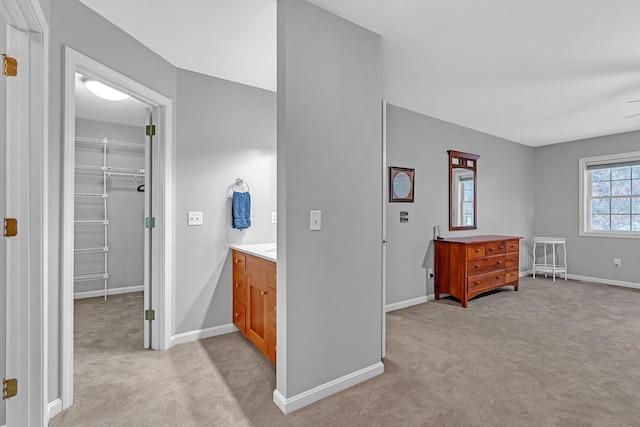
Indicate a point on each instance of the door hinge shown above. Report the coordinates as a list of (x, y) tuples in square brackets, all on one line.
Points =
[(10, 227), (150, 130), (149, 314), (9, 388), (9, 66), (150, 222)]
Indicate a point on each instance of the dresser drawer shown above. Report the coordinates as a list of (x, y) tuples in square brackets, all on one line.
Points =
[(512, 260), (512, 275), (239, 316), (485, 281), (484, 265), (239, 261), (513, 246), (495, 248), (476, 250), (239, 289)]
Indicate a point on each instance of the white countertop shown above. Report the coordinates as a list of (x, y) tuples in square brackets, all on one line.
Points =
[(267, 251)]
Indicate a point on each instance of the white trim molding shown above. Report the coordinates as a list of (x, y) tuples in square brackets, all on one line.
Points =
[(408, 303), (585, 191), (200, 334), (54, 408), (162, 191), (27, 119), (111, 291), (620, 283), (325, 390)]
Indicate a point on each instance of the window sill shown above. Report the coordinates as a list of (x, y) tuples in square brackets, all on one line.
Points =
[(618, 234)]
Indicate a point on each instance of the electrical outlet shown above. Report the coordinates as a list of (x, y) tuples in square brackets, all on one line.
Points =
[(430, 273), (617, 262), (274, 217), (194, 218)]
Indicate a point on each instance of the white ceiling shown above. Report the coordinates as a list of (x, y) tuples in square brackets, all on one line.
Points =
[(534, 72)]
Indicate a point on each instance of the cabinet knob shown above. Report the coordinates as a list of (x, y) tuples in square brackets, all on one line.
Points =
[(476, 282), (477, 251), (498, 277), (492, 249), (499, 262), (477, 265), (501, 247), (237, 260), (237, 285), (237, 314), (263, 292)]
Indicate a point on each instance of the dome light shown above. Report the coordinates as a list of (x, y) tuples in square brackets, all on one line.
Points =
[(103, 91)]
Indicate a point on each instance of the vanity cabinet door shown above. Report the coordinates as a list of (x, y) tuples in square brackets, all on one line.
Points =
[(256, 327)]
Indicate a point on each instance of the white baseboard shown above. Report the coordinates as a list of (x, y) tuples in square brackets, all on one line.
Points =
[(603, 281), (114, 291), (54, 408), (202, 333), (408, 303), (325, 390), (620, 283)]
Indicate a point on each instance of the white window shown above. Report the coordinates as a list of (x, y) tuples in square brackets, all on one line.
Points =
[(610, 195)]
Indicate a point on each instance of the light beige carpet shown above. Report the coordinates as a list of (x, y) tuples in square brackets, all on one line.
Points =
[(554, 354)]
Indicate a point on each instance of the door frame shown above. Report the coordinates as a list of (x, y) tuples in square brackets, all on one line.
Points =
[(27, 130), (161, 280)]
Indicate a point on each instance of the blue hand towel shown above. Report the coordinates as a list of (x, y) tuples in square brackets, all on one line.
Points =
[(241, 210)]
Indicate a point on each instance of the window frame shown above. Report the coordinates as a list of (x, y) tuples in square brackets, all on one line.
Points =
[(585, 195)]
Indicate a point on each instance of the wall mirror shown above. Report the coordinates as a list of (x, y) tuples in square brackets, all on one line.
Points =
[(463, 171)]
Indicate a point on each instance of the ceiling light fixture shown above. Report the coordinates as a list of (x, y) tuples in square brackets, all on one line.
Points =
[(103, 91)]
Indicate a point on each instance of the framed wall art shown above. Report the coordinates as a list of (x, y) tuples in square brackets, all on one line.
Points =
[(401, 184)]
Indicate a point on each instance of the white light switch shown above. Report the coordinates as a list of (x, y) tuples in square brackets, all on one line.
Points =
[(194, 218), (315, 220)]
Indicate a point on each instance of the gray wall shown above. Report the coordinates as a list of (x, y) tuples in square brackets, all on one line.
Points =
[(329, 159), (557, 208), (75, 25), (125, 208), (225, 131), (504, 188)]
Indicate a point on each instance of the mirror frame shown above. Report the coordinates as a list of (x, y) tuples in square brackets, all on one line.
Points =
[(465, 161)]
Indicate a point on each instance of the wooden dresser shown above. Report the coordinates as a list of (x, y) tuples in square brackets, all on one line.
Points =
[(254, 300), (466, 267)]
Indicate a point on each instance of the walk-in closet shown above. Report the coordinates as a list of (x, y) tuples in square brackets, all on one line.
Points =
[(109, 210)]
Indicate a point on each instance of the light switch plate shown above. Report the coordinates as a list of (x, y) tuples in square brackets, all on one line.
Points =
[(194, 218), (315, 220)]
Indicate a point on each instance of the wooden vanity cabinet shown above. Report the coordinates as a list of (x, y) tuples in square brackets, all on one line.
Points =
[(254, 300), (466, 267)]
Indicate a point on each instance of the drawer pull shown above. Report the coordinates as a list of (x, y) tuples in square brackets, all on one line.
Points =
[(512, 259), (492, 249), (477, 265), (477, 251), (237, 260), (498, 277), (501, 247), (263, 292), (499, 262), (476, 282), (237, 285), (237, 314)]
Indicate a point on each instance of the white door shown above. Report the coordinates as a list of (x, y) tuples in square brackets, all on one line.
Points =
[(3, 205)]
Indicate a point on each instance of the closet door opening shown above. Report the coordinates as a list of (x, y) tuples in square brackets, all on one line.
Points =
[(111, 200)]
